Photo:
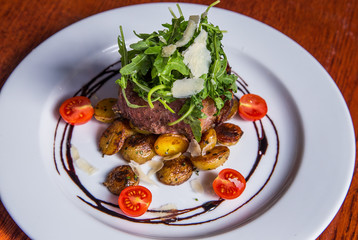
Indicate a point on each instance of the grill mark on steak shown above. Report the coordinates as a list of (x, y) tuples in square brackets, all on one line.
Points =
[(156, 119)]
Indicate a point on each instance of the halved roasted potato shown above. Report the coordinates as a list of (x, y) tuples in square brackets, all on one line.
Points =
[(171, 144), (129, 131), (208, 140), (228, 134), (234, 109), (213, 158), (120, 178), (139, 148), (103, 110), (113, 137), (175, 171)]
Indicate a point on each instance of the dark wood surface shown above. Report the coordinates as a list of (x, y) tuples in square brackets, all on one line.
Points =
[(325, 28)]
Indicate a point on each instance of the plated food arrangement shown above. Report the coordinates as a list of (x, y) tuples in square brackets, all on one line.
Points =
[(84, 181), (176, 92)]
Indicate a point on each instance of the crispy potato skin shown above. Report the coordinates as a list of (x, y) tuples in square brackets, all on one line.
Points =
[(208, 140), (129, 131), (224, 112), (103, 110), (234, 109), (175, 171), (171, 144), (228, 134), (213, 158), (139, 148), (112, 138), (120, 178)]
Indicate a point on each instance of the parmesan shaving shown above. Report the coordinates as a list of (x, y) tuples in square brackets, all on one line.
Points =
[(80, 162), (85, 166), (139, 172), (168, 206), (162, 39), (74, 153), (197, 186), (188, 34), (194, 148), (155, 167), (167, 51), (189, 31), (197, 57), (165, 210), (187, 87)]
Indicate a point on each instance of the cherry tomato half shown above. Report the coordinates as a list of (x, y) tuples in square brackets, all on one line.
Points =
[(252, 107), (76, 110), (229, 184), (134, 200)]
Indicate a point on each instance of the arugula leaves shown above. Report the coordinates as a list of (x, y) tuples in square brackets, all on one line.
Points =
[(153, 74)]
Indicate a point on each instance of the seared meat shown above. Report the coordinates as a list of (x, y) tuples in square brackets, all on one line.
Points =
[(156, 119)]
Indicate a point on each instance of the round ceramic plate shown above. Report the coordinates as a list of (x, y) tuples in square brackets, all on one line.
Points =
[(288, 158)]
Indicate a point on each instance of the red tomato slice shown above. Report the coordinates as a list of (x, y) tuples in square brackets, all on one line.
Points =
[(229, 184), (77, 110), (252, 107), (134, 200)]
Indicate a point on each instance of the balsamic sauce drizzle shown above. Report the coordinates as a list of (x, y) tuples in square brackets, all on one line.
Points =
[(173, 216)]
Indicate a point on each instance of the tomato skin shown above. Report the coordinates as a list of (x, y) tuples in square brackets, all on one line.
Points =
[(227, 189), (76, 110), (134, 200), (252, 107)]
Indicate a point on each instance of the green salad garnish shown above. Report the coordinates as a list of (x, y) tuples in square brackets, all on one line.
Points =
[(185, 50)]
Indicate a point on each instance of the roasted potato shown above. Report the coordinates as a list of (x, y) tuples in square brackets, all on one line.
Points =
[(225, 111), (208, 140), (213, 158), (175, 171), (228, 134), (103, 110), (171, 144), (120, 178), (113, 137), (128, 130), (139, 148), (234, 109)]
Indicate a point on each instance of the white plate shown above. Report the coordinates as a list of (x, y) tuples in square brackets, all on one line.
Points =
[(297, 188)]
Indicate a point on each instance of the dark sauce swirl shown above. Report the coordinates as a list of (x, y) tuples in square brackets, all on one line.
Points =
[(168, 217)]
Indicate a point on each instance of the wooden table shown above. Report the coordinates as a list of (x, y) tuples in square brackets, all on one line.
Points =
[(325, 28)]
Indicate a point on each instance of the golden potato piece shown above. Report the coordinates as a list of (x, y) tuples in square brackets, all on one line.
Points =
[(113, 137), (120, 178), (234, 109), (171, 144), (175, 171), (228, 134), (213, 158), (103, 110), (128, 130), (139, 148), (208, 140)]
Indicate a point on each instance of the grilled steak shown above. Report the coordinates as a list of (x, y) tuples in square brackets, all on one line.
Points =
[(156, 119)]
